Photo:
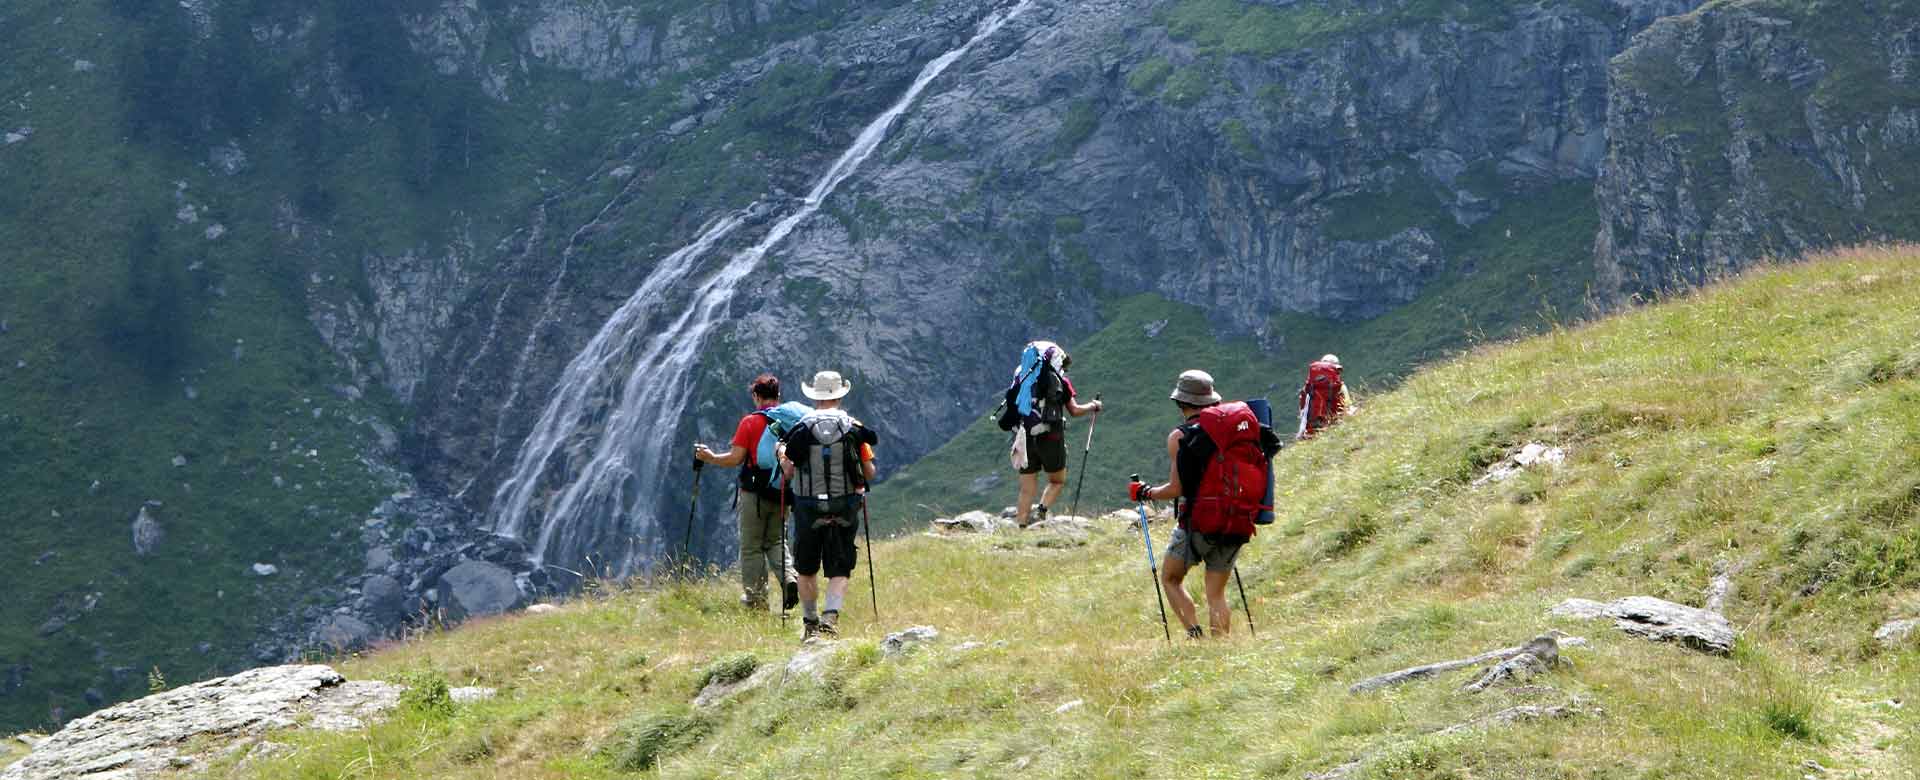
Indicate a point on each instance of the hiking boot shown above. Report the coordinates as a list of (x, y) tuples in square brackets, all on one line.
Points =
[(810, 628), (789, 595), (1194, 632), (1039, 514), (829, 624), (752, 604)]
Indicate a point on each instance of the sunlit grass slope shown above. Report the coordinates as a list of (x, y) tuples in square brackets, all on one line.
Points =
[(1772, 423)]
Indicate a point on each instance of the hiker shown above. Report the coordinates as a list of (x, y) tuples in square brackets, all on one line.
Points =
[(1218, 483), (763, 539), (828, 461), (1324, 398), (1037, 406)]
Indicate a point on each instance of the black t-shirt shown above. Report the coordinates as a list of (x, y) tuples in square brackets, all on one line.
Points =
[(1190, 460)]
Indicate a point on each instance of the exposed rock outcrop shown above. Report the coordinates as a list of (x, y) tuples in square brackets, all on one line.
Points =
[(153, 736), (1657, 619)]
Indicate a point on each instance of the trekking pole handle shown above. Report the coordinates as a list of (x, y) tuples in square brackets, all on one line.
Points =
[(698, 464)]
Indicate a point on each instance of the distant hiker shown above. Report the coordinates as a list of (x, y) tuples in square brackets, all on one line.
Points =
[(763, 539), (1324, 398), (828, 461), (1037, 405), (1218, 480)]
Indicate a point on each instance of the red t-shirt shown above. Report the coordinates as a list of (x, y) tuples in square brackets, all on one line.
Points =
[(747, 436)]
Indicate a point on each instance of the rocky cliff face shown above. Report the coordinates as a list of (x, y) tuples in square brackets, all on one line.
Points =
[(1755, 130), (1096, 148)]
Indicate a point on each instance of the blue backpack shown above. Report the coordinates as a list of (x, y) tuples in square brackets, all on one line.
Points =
[(761, 473)]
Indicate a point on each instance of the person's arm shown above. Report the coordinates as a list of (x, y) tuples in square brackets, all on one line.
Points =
[(1077, 409), (1171, 489), (866, 462), (732, 457)]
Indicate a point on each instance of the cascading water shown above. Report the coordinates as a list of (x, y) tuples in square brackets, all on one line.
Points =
[(579, 489)]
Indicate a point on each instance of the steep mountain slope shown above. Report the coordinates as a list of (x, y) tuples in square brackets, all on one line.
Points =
[(1754, 129), (1769, 428)]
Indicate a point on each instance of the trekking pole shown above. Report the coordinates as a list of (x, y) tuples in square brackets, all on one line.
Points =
[(873, 588), (1147, 536), (693, 505), (1244, 604), (784, 584), (1073, 510)]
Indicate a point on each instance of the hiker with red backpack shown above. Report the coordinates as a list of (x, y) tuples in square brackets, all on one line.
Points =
[(763, 538), (1218, 481), (1036, 409), (1324, 398)]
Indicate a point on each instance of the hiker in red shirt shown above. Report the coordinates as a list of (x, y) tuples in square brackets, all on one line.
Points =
[(762, 528)]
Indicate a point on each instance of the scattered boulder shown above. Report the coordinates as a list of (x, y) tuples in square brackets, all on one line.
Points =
[(147, 533), (179, 461), (1659, 620), (1530, 455), (344, 634), (265, 570), (1069, 706), (379, 559), (718, 691), (970, 522), (471, 694), (1895, 632), (811, 661), (902, 642), (542, 609), (381, 598), (477, 588), (154, 735)]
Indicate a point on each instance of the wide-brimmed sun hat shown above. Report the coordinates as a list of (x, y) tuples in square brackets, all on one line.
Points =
[(826, 386), (1195, 388)]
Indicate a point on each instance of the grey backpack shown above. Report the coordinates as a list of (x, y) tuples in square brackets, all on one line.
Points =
[(827, 479)]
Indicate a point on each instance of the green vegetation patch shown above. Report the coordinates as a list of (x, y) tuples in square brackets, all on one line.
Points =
[(1150, 76)]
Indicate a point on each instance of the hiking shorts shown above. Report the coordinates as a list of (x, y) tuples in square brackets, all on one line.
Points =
[(1195, 548), (1046, 452), (822, 541)]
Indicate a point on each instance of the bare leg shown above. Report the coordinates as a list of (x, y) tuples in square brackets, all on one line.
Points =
[(1173, 575), (1029, 484), (1056, 482), (809, 588), (1219, 612), (837, 589)]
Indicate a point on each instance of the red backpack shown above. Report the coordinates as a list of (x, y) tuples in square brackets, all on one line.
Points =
[(1321, 395), (1233, 488)]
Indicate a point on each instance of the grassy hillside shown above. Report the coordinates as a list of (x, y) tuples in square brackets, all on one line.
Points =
[(1772, 423)]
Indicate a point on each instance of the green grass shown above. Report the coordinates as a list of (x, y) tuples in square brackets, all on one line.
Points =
[(1755, 421)]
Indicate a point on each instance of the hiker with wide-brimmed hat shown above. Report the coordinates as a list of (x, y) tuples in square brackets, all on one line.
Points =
[(763, 545), (828, 462), (1218, 481)]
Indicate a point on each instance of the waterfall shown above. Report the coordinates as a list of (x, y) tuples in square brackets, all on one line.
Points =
[(583, 482)]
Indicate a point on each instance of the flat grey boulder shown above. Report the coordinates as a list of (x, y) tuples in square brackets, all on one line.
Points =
[(902, 642), (1657, 619), (477, 588), (344, 634), (970, 522), (150, 737), (1896, 632)]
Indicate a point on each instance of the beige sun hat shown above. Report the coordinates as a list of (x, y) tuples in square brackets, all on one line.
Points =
[(826, 386), (1331, 358), (1195, 388)]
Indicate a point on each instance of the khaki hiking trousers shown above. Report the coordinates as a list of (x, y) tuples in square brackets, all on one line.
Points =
[(763, 547)]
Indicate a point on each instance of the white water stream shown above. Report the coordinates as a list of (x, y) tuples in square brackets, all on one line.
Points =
[(584, 486)]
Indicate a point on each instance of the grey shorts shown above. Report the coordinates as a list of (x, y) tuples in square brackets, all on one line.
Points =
[(1194, 548)]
